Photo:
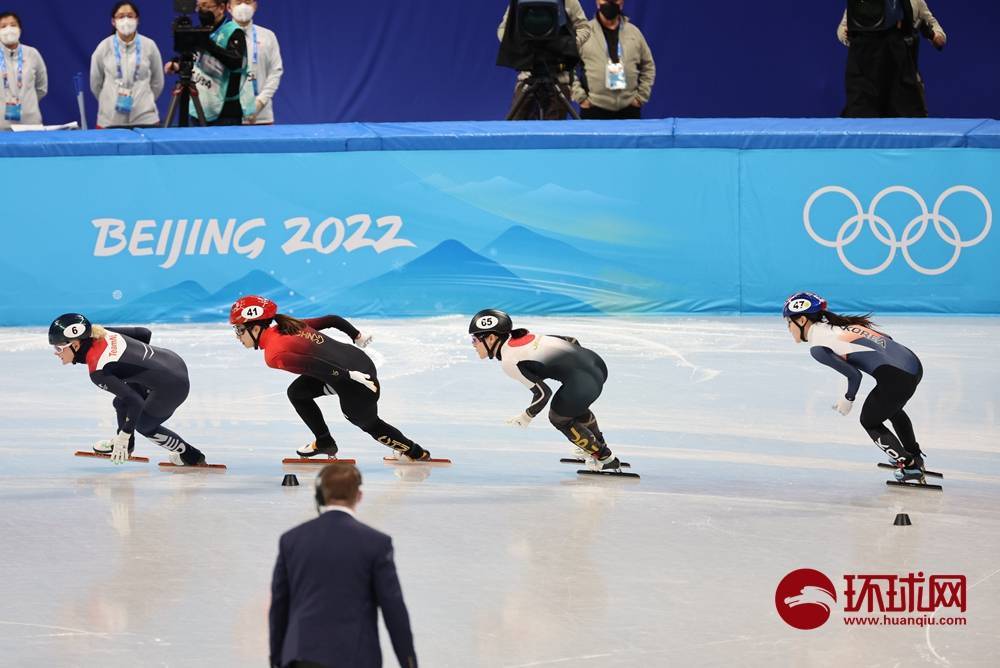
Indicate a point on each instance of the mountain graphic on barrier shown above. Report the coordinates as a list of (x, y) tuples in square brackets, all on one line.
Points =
[(451, 278), (168, 304), (189, 301), (548, 262)]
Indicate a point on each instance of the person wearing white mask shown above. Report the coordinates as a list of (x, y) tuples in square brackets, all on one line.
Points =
[(263, 61), (25, 80), (126, 73)]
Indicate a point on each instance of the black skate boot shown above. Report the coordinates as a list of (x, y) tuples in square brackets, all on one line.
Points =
[(321, 446)]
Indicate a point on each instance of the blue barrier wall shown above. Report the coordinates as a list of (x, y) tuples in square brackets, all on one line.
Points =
[(676, 216), (390, 60)]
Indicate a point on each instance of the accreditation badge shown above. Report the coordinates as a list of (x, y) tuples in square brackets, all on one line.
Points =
[(615, 79), (123, 104), (12, 111)]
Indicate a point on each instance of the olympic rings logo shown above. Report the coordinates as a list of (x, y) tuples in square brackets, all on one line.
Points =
[(912, 233)]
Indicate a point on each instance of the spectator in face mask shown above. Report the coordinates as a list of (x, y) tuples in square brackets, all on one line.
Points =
[(618, 67), (126, 73), (263, 61), (24, 78)]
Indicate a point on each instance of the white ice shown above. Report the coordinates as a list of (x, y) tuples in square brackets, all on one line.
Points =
[(508, 558)]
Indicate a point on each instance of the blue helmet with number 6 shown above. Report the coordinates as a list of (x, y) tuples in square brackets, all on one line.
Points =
[(803, 303)]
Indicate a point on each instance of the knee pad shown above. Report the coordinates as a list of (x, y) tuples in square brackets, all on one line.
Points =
[(560, 422)]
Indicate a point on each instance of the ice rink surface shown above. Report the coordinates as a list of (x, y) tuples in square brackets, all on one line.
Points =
[(508, 558)]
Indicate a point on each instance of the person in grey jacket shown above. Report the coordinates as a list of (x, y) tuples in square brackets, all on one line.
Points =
[(126, 73), (23, 77), (263, 61), (618, 67)]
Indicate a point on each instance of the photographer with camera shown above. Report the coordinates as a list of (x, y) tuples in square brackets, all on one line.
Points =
[(618, 67), (263, 61), (882, 79), (220, 71), (545, 53), (126, 73)]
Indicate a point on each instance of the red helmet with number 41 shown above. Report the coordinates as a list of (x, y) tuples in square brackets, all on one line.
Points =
[(252, 308)]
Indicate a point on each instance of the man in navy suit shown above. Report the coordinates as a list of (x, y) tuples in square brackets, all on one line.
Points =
[(333, 574)]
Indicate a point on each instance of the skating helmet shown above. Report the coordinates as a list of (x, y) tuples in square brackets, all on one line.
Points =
[(490, 321), (251, 309), (69, 327), (803, 303)]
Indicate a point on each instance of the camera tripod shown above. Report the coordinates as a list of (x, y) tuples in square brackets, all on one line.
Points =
[(185, 92), (540, 91)]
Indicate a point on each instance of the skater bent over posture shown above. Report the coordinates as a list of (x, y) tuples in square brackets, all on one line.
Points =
[(530, 359), (149, 383), (325, 366), (849, 345)]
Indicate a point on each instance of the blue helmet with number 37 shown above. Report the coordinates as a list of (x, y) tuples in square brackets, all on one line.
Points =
[(803, 303)]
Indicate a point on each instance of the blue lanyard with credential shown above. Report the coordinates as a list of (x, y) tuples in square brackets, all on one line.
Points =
[(20, 70), (118, 59), (256, 44)]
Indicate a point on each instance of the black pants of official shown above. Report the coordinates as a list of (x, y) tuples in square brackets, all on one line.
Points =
[(894, 387), (881, 79), (358, 404), (598, 114)]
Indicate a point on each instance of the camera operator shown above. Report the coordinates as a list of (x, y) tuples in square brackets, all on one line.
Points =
[(555, 109), (881, 79), (618, 67), (220, 71)]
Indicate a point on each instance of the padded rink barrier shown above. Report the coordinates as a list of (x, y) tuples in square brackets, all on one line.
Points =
[(423, 219)]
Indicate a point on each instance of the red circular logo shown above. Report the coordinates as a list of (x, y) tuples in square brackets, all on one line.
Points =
[(804, 599)]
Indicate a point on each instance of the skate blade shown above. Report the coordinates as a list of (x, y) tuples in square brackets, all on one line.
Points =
[(95, 455), (615, 474), (932, 474), (317, 460), (914, 485), (392, 460), (570, 460), (199, 467)]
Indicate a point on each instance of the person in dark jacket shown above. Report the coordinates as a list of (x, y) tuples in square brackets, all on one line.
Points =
[(332, 575)]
